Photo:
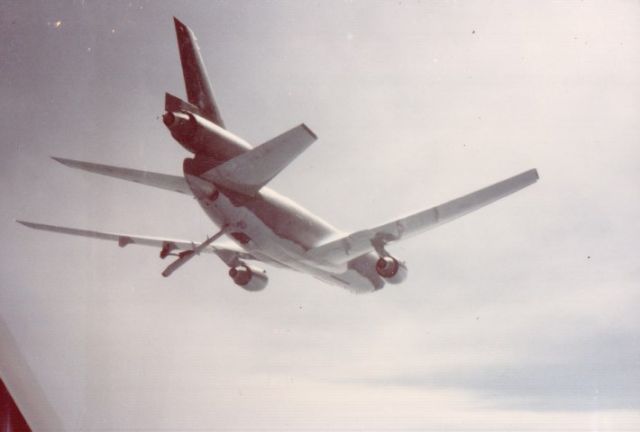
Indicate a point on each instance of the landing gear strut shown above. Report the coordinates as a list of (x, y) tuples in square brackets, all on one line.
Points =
[(185, 256)]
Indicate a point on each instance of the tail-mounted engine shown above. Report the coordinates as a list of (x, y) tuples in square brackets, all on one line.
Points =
[(201, 136), (392, 270), (183, 127), (248, 277)]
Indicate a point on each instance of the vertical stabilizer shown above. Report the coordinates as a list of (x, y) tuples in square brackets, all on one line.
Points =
[(195, 75)]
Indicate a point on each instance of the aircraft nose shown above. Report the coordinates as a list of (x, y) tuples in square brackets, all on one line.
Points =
[(168, 118)]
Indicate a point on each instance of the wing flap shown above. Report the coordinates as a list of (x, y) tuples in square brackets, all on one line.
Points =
[(226, 252), (248, 172), (162, 181), (358, 243)]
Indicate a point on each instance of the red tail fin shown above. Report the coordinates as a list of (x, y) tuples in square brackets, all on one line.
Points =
[(195, 75)]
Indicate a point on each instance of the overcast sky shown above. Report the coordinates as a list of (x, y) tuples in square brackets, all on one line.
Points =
[(522, 316)]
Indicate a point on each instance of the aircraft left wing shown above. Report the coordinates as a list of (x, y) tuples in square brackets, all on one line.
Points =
[(162, 181), (337, 252), (227, 252)]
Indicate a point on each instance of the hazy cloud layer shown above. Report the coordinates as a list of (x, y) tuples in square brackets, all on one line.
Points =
[(600, 374)]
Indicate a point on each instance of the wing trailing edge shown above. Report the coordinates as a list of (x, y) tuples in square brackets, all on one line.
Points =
[(162, 181), (227, 252), (341, 250)]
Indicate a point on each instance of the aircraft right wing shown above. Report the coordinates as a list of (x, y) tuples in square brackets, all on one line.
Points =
[(339, 251), (162, 181)]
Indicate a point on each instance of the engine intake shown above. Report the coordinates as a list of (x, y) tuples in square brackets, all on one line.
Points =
[(201, 136), (392, 270), (183, 126), (249, 278)]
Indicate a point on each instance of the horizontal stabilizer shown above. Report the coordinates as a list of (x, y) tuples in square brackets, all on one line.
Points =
[(162, 181), (229, 253), (248, 172), (361, 242)]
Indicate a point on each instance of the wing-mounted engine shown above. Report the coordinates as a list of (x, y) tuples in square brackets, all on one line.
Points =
[(392, 270), (249, 278)]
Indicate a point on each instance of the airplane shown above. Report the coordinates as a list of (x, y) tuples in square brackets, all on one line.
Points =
[(228, 178)]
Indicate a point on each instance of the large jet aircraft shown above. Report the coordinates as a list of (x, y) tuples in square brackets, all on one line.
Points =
[(228, 178)]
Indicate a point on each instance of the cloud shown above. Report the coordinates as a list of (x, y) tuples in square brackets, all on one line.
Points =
[(600, 373)]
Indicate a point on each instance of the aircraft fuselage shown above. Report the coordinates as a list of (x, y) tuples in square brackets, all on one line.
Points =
[(278, 230), (228, 178)]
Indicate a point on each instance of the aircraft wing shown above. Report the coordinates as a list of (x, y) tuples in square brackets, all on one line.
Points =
[(339, 251), (162, 181), (248, 172), (229, 253)]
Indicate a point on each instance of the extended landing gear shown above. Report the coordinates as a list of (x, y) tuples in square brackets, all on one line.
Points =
[(166, 250), (247, 277), (185, 256)]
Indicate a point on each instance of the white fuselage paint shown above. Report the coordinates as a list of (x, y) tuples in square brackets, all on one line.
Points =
[(287, 249), (280, 230)]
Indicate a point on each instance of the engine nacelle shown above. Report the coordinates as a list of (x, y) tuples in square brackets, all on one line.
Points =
[(199, 135), (392, 270), (249, 278)]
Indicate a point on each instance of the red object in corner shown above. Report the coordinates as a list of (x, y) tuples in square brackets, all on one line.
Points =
[(11, 419)]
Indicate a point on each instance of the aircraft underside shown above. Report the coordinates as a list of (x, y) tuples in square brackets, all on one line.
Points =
[(283, 244), (228, 177)]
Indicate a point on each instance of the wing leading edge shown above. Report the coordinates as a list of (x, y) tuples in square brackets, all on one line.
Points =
[(339, 251), (162, 181), (249, 172)]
